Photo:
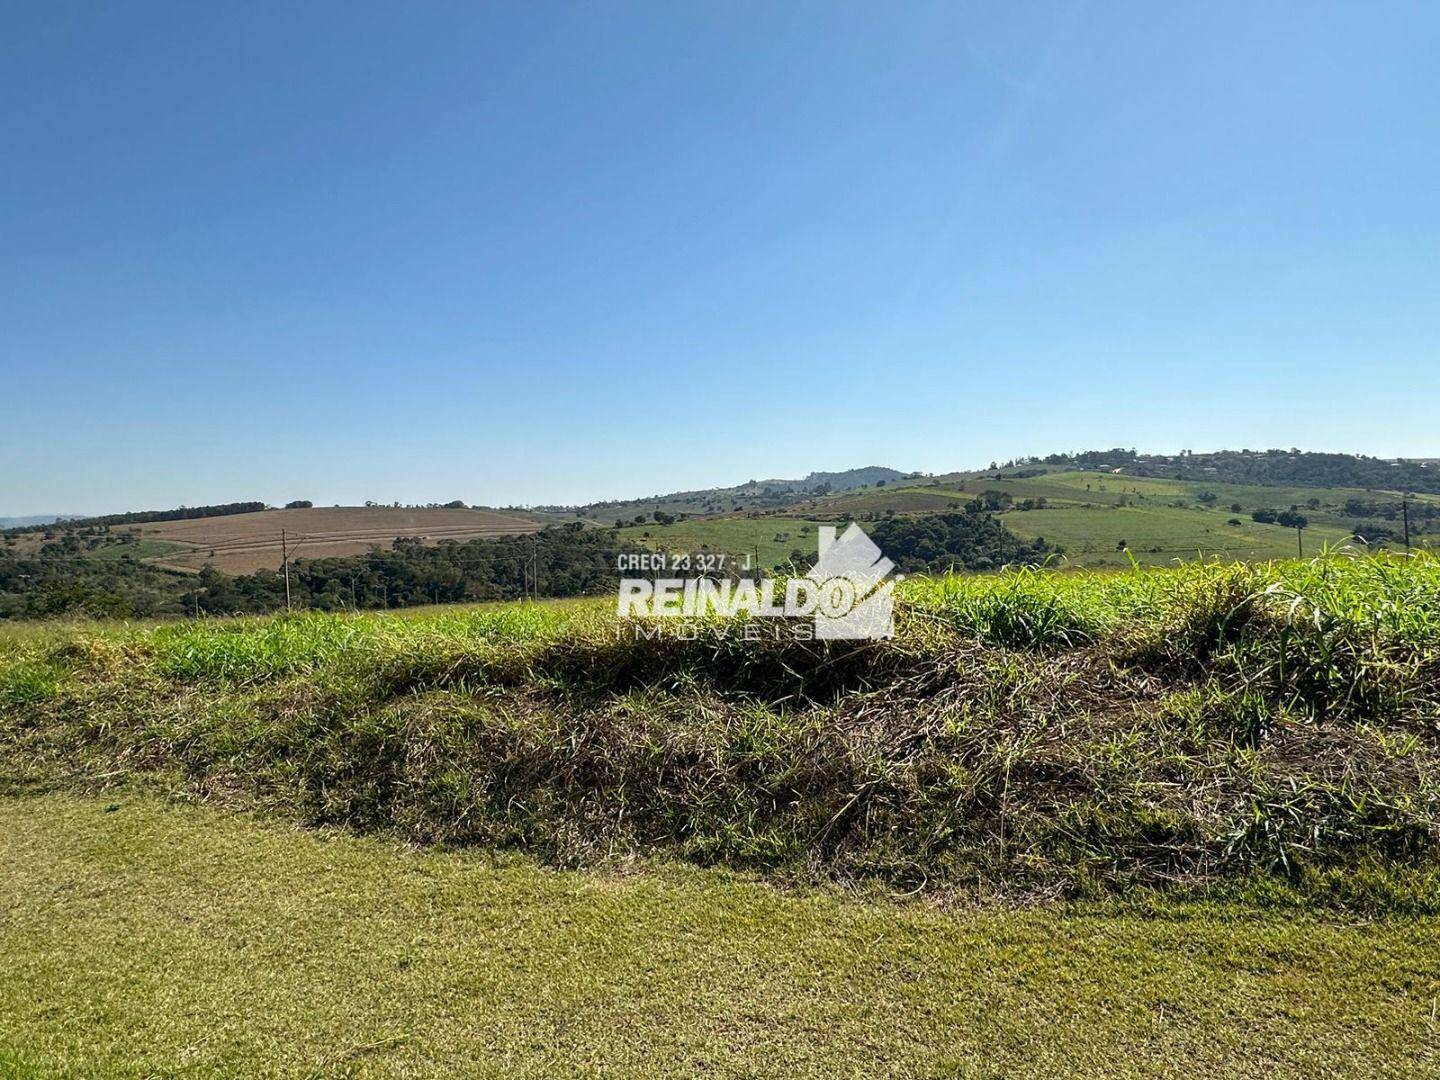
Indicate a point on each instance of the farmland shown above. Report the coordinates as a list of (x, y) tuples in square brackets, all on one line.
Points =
[(1099, 519), (772, 538), (1092, 536), (241, 543), (1093, 514), (223, 559)]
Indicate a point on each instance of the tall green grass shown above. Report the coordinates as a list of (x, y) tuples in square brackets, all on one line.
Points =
[(1396, 597), (1031, 731), (266, 647)]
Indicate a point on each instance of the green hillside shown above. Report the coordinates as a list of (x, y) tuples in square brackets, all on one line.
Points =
[(1093, 536), (1090, 513), (774, 538), (1099, 518), (753, 495)]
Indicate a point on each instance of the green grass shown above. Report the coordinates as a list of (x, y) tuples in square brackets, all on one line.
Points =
[(144, 939), (1379, 599), (1101, 486), (1089, 512), (140, 549), (1025, 734), (1156, 822), (896, 499), (1159, 535), (773, 537)]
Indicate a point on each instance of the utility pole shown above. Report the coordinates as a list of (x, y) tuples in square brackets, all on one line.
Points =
[(1405, 512), (1300, 539), (285, 562)]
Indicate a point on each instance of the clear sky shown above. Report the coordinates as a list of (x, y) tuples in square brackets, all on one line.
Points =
[(526, 253)]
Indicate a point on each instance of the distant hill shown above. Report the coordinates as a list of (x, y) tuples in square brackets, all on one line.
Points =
[(770, 494), (139, 516), (1300, 468), (833, 481), (35, 519), (1104, 507), (238, 542), (1111, 514)]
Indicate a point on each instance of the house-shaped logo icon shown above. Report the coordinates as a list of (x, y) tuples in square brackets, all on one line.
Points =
[(856, 600)]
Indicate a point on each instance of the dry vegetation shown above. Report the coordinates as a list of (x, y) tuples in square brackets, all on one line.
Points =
[(241, 543), (1213, 769), (1035, 733)]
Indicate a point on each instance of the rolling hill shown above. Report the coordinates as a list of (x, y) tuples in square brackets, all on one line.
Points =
[(31, 520), (1092, 514), (761, 495), (1105, 515)]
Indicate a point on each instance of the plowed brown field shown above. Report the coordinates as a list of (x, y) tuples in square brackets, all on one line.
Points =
[(240, 543)]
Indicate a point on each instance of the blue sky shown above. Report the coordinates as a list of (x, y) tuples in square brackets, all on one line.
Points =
[(547, 253)]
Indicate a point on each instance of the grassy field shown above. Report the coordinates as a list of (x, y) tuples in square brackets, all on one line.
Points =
[(1160, 822), (1089, 486), (773, 538), (1090, 536), (144, 939), (240, 543), (1033, 733), (1089, 513), (889, 499), (149, 550)]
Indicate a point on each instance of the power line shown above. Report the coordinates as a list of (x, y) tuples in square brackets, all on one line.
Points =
[(285, 557)]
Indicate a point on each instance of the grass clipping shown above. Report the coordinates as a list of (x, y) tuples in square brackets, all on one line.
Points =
[(1268, 728)]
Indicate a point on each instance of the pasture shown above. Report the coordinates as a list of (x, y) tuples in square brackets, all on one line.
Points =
[(1161, 521), (1092, 536), (770, 539)]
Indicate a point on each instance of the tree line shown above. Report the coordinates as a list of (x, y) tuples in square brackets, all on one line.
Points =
[(559, 561), (141, 517), (563, 560), (1294, 467), (969, 540)]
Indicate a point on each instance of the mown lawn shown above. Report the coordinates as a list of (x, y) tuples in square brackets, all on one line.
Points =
[(139, 938)]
